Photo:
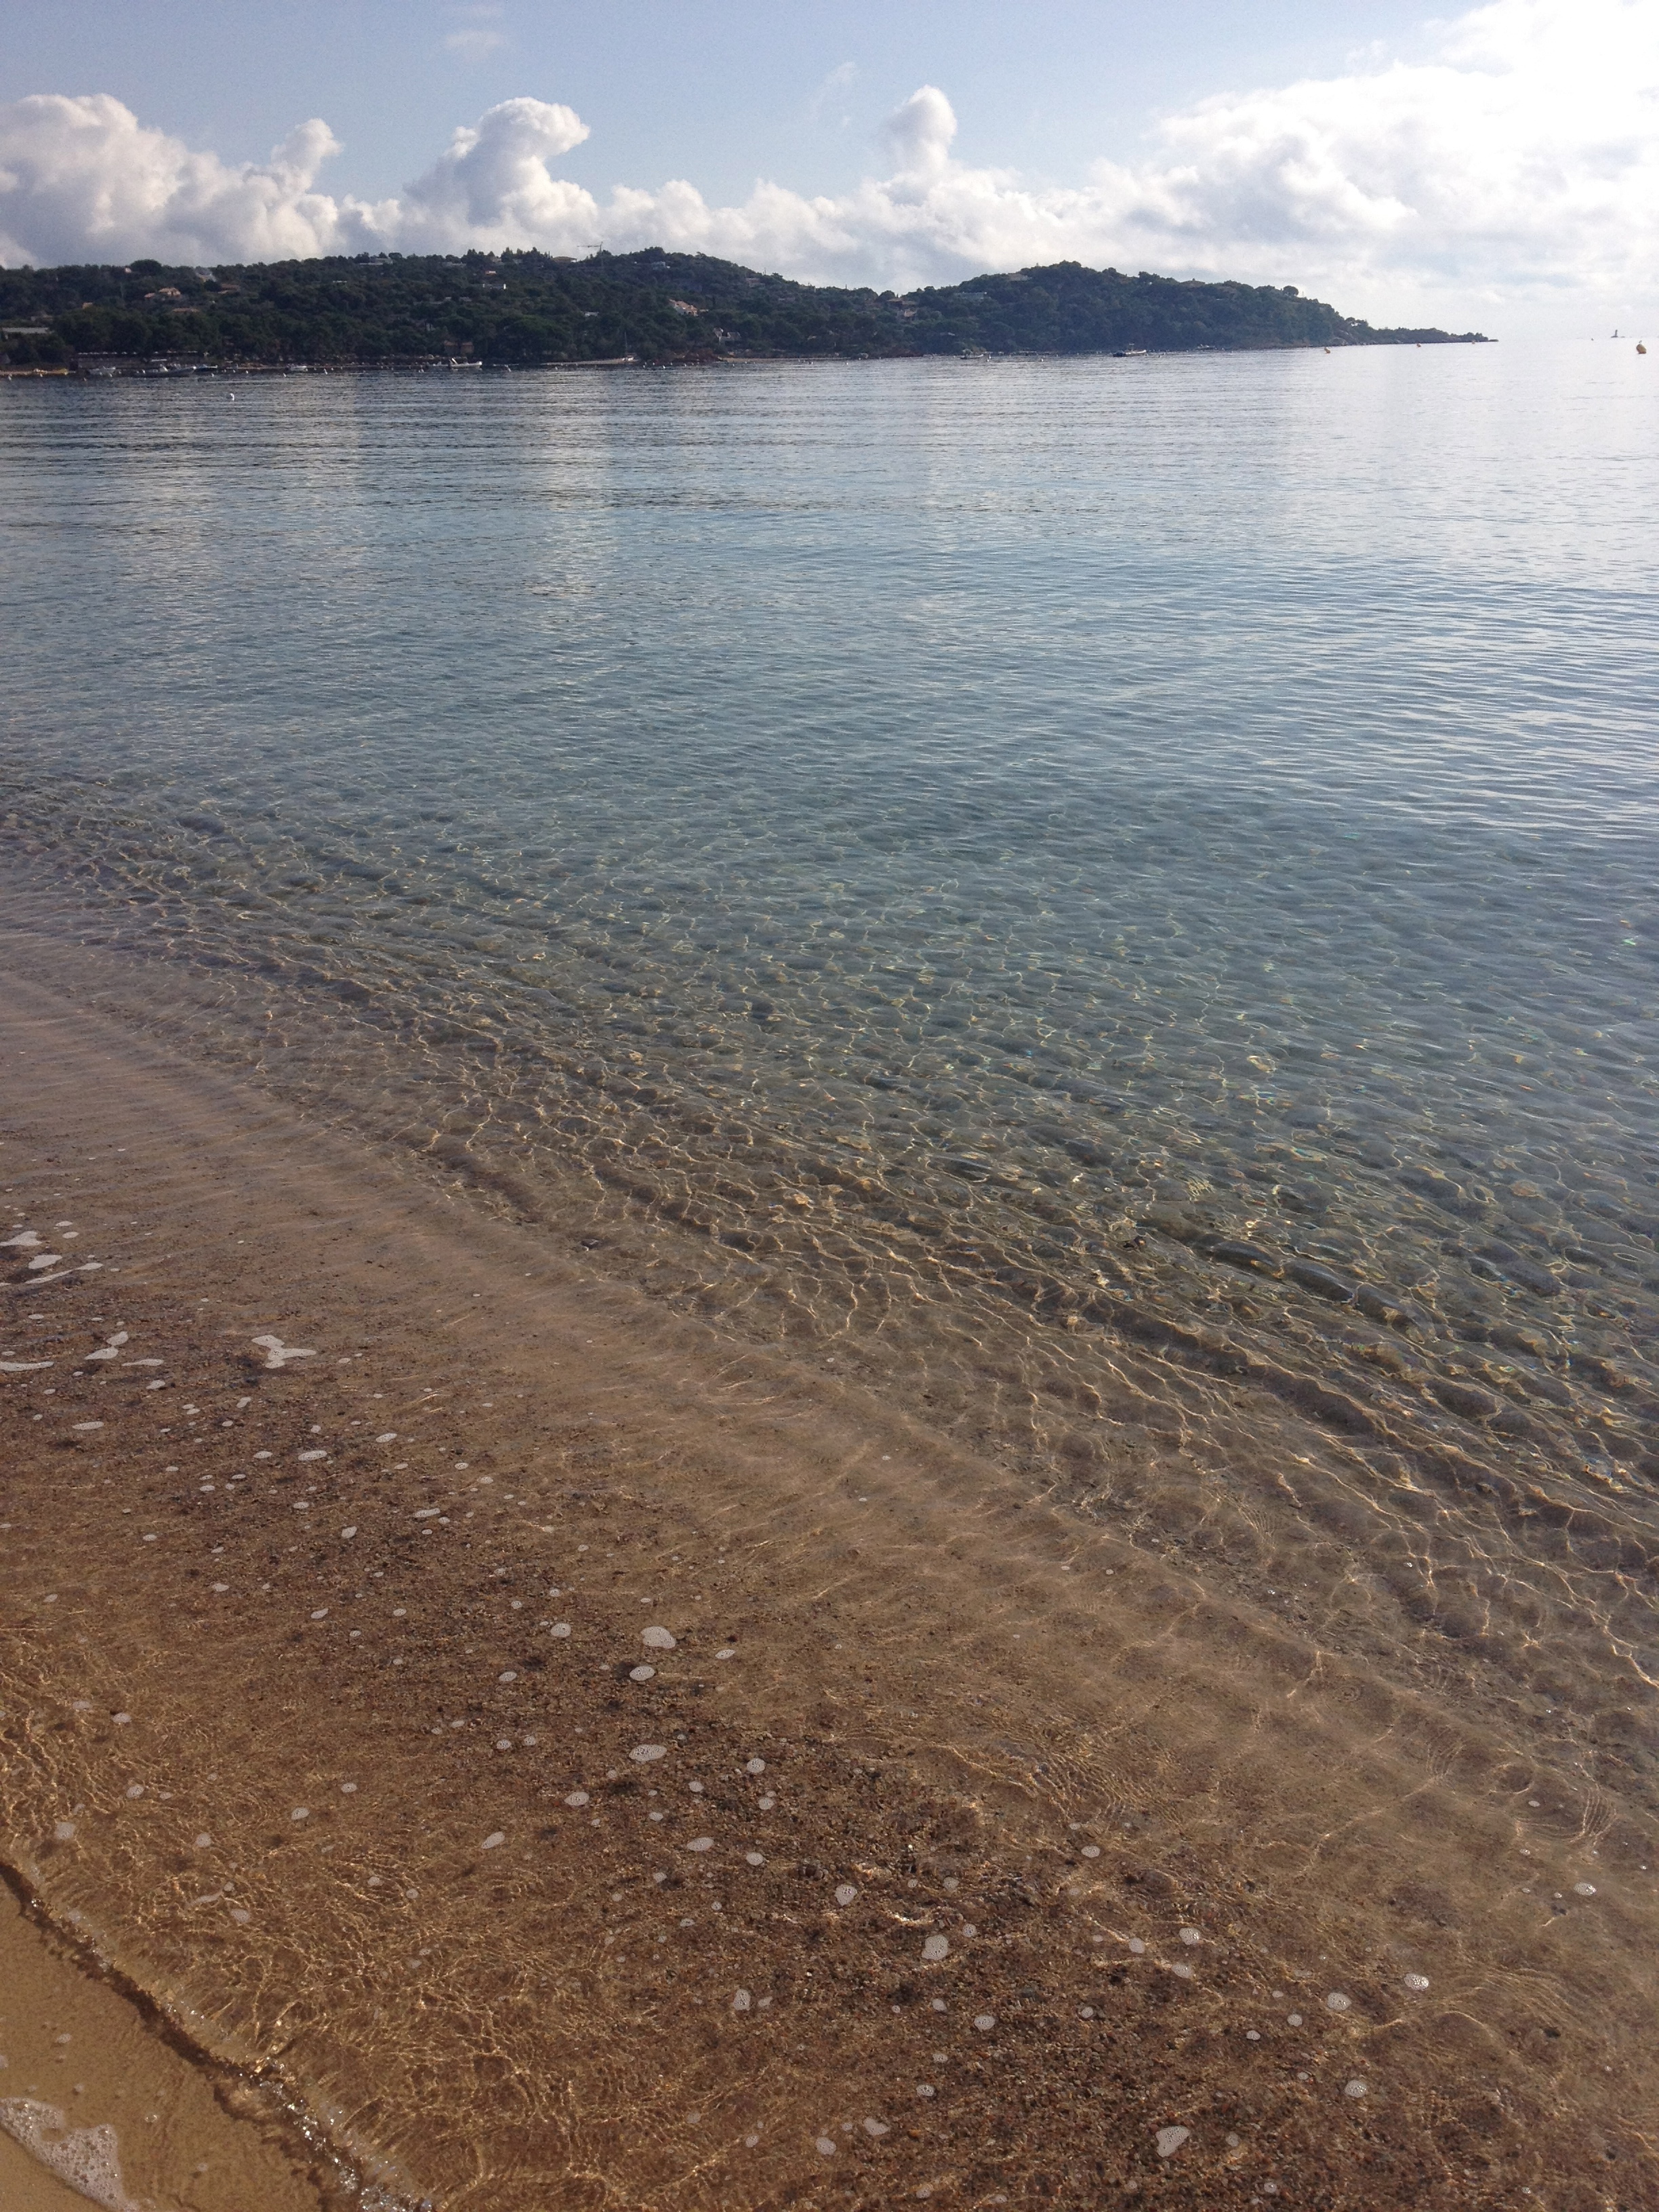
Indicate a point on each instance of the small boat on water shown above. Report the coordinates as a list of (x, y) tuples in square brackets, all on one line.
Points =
[(1130, 353)]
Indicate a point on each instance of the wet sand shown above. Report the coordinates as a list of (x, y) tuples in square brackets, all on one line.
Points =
[(953, 1847), (85, 2054)]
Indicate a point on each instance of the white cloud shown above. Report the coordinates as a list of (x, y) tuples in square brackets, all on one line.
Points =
[(828, 97), (493, 187), (475, 44), (84, 180), (1520, 162)]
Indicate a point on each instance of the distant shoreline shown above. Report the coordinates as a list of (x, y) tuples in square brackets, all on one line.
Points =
[(133, 368)]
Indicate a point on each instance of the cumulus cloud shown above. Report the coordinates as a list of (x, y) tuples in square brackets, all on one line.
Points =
[(1521, 160), (82, 179), (493, 184)]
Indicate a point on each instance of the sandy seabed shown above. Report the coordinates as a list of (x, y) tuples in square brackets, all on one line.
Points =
[(472, 1740)]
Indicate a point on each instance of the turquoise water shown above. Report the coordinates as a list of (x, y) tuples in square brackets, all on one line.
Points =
[(1118, 895)]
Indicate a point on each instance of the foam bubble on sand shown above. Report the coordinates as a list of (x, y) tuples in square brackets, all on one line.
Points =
[(63, 1831), (25, 1241), (122, 1720), (701, 1843), (1191, 1935), (496, 1836), (22, 1366), (45, 1260), (1137, 1946), (278, 1354), (985, 2021), (87, 2159), (511, 1675), (1337, 2002), (643, 1753), (936, 1947), (348, 1534), (313, 1455), (827, 2145), (641, 1673), (577, 1799), (321, 1613), (204, 1842), (741, 2001), (845, 1894), (219, 1589), (1357, 2088), (387, 1437), (1417, 1981), (81, 1427), (348, 1790), (134, 1789), (1584, 1889), (301, 1812), (754, 1766), (1170, 2141), (755, 1859), (730, 1652), (657, 1639)]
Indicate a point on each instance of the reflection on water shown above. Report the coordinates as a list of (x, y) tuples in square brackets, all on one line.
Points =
[(1113, 898)]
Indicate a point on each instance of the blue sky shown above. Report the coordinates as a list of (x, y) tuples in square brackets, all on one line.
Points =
[(1496, 167)]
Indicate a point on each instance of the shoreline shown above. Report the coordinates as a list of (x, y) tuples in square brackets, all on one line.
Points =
[(975, 1711), (157, 366)]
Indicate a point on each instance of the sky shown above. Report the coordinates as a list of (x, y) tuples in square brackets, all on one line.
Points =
[(1494, 168)]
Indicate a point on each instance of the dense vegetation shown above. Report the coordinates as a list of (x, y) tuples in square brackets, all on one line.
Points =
[(520, 309)]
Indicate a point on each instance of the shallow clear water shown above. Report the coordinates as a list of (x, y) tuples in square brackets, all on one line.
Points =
[(1122, 893)]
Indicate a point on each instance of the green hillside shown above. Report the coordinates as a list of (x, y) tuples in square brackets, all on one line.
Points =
[(524, 309)]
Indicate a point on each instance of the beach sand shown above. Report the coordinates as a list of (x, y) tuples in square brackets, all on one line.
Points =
[(85, 2053), (954, 1847)]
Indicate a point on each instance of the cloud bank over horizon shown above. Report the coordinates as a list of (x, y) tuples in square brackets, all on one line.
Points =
[(1519, 165)]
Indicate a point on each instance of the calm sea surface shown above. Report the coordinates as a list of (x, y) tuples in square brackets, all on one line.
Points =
[(1115, 898)]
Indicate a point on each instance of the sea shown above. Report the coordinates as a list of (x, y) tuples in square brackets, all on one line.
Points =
[(1112, 901)]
